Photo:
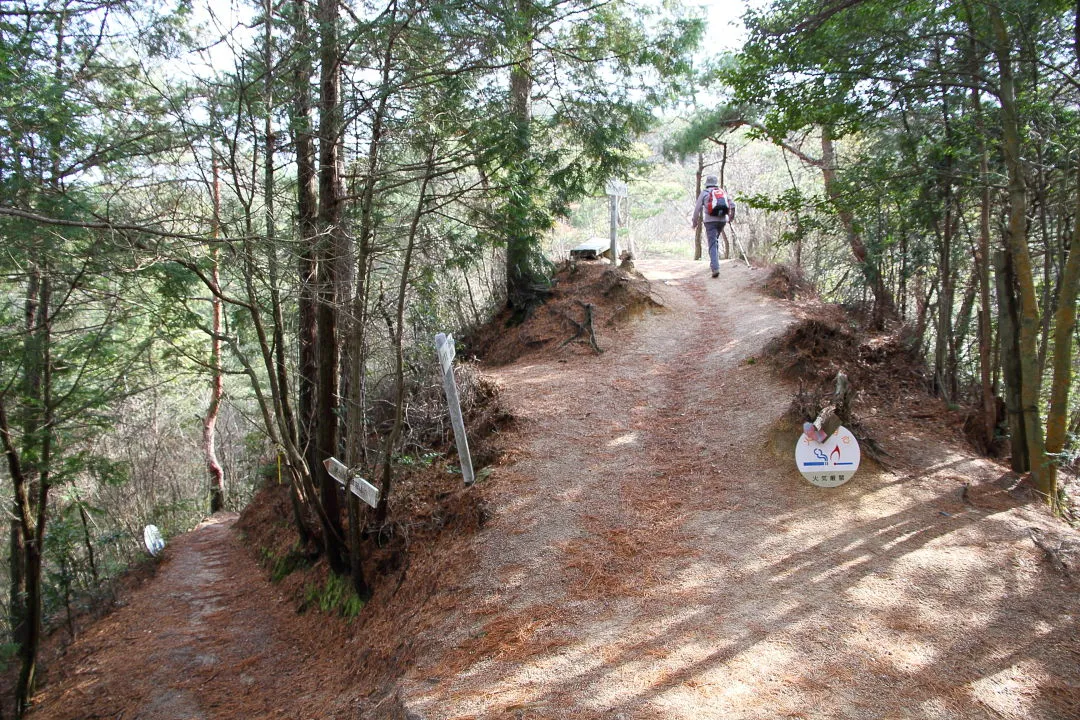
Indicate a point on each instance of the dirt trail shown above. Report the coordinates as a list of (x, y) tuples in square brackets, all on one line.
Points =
[(208, 637), (652, 553)]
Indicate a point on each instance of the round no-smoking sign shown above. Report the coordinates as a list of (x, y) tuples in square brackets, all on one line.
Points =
[(830, 463)]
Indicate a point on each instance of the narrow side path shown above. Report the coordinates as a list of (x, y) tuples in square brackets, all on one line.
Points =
[(208, 637)]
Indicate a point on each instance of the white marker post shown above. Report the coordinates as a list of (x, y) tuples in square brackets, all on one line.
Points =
[(615, 189), (360, 487), (154, 542), (830, 463), (444, 344)]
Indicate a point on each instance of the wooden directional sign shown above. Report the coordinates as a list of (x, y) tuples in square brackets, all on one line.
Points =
[(337, 469), (364, 490), (360, 487)]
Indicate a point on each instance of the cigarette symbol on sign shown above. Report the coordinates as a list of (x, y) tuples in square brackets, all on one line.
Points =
[(820, 455)]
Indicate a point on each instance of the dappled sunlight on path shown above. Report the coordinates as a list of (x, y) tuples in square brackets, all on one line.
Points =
[(653, 555)]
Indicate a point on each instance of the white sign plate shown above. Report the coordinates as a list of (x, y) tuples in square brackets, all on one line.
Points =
[(154, 542), (360, 487), (364, 490), (830, 463), (337, 469), (617, 188), (445, 345)]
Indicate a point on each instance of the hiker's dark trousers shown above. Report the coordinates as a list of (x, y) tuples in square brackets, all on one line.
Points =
[(712, 232)]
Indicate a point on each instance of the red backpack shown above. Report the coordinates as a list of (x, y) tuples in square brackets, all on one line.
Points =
[(716, 204)]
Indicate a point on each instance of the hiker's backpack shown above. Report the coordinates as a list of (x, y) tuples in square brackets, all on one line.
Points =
[(716, 204)]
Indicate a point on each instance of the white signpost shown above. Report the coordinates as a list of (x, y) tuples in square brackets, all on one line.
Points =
[(615, 189), (444, 344), (154, 542), (830, 463), (360, 487)]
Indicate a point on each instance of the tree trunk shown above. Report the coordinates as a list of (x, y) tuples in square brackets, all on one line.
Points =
[(331, 247), (307, 212), (1064, 326), (355, 441), (961, 327), (1016, 240), (1009, 347), (18, 611), (217, 388), (525, 285), (942, 341), (22, 478), (88, 541), (982, 263), (32, 512), (884, 304), (399, 358)]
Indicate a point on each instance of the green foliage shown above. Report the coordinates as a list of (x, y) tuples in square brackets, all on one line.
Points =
[(284, 565), (704, 125), (588, 113), (336, 595), (422, 460), (9, 652)]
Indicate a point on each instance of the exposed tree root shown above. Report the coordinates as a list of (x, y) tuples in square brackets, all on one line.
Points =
[(583, 328)]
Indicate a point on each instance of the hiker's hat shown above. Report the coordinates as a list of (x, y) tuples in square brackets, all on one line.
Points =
[(712, 181)]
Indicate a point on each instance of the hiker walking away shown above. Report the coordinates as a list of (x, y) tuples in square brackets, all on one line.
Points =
[(715, 209)]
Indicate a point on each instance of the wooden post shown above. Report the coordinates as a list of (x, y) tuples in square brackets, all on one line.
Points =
[(613, 204), (843, 397), (615, 190), (444, 344)]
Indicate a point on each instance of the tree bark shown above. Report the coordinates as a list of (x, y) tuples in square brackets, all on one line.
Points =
[(982, 264), (307, 212), (1016, 240), (884, 304), (217, 388), (943, 384), (1064, 327), (31, 511), (1009, 347), (332, 256), (23, 475)]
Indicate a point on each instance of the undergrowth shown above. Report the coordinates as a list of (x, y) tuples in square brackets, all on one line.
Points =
[(335, 595), (281, 566)]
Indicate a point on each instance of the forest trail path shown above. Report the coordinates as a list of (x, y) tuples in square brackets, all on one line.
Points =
[(651, 553), (208, 637), (654, 553)]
